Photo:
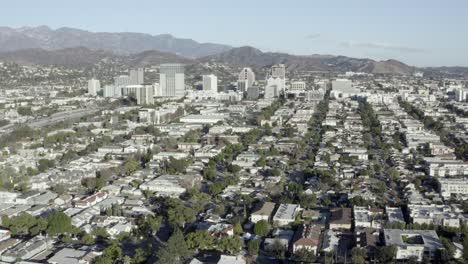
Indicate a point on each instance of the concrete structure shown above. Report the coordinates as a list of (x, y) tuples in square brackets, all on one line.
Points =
[(278, 71), (172, 80), (307, 237), (263, 213), (112, 91), (246, 78), (170, 185), (210, 83), (451, 186), (122, 80), (341, 219), (142, 93), (274, 87), (94, 87), (286, 214), (137, 76), (412, 243), (297, 86)]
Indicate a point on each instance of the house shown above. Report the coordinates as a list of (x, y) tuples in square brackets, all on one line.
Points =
[(307, 237), (286, 214), (73, 256), (171, 185), (341, 219), (91, 200), (394, 215), (365, 217), (26, 249), (412, 243), (263, 213), (330, 241)]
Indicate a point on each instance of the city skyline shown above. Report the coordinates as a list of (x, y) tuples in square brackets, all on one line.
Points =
[(419, 33)]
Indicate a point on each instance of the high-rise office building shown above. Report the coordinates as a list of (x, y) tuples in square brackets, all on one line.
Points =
[(210, 83), (246, 79), (172, 80), (278, 71), (122, 80), (112, 91), (298, 86), (94, 87), (274, 87), (137, 76), (142, 93)]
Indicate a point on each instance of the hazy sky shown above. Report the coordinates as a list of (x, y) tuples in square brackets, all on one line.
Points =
[(418, 32)]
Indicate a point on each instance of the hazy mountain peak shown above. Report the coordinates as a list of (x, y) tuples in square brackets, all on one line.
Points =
[(123, 42)]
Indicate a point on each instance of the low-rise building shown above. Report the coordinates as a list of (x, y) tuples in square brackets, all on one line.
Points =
[(412, 243), (286, 214)]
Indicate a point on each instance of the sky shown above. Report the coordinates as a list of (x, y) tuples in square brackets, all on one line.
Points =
[(417, 32)]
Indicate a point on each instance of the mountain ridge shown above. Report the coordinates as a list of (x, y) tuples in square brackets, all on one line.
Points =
[(43, 37)]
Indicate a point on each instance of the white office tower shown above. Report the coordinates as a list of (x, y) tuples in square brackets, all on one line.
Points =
[(142, 93), (461, 95), (112, 91), (274, 87), (297, 86), (210, 83), (246, 79), (93, 87), (172, 80), (278, 70), (271, 91), (122, 80), (156, 89), (342, 88), (136, 76)]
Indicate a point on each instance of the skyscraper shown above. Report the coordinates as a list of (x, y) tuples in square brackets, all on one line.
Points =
[(246, 79), (278, 71), (137, 76), (172, 80), (122, 80), (93, 87), (210, 83), (142, 93)]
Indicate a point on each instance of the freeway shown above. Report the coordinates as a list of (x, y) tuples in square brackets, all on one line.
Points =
[(53, 119)]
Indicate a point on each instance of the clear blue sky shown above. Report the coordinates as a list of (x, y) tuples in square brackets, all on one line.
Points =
[(418, 32)]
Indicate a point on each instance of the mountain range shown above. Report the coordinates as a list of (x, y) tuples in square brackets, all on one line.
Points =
[(43, 37), (79, 48)]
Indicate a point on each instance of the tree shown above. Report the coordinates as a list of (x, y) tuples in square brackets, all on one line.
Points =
[(276, 249), (234, 169), (261, 162), (230, 244), (22, 224), (130, 166), (262, 228), (209, 173), (253, 246), (178, 214), (200, 239), (175, 251), (111, 254), (358, 255), (304, 255), (152, 224), (308, 201), (238, 228), (88, 240), (44, 164), (176, 165), (386, 254), (59, 223)]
